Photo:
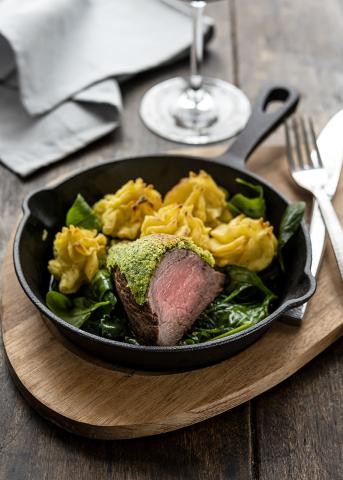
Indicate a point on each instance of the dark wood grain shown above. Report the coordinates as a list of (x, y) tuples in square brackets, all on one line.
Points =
[(215, 449), (297, 426), (294, 42), (291, 432)]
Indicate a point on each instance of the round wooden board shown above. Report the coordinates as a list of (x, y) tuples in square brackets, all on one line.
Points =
[(97, 400)]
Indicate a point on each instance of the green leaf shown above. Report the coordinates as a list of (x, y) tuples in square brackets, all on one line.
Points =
[(228, 318), (95, 311), (74, 311), (244, 326), (81, 214), (244, 303), (290, 222), (114, 327), (251, 207), (241, 278), (101, 287)]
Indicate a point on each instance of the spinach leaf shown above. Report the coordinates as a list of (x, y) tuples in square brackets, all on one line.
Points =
[(244, 303), (101, 290), (290, 223), (242, 278), (81, 214), (226, 319), (251, 207), (95, 311), (116, 327), (113, 327), (75, 311), (101, 287)]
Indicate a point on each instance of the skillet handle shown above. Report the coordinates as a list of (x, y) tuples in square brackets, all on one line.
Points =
[(261, 123)]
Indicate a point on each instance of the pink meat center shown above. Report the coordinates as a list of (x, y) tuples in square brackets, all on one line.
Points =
[(176, 293)]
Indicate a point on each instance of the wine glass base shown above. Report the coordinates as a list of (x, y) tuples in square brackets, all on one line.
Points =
[(232, 109)]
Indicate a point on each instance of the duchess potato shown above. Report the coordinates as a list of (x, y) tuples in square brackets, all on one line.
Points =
[(201, 191), (244, 241), (122, 213), (177, 220), (77, 253)]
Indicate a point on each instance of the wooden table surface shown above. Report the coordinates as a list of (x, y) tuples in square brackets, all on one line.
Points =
[(294, 431)]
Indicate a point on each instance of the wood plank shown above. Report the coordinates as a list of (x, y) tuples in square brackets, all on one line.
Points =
[(297, 425), (294, 42), (30, 447), (203, 452)]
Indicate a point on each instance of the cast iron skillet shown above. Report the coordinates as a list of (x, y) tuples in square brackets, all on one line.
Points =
[(46, 209)]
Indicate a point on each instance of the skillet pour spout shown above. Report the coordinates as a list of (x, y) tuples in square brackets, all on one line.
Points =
[(45, 209)]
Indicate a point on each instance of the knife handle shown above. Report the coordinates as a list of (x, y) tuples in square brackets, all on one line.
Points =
[(333, 226), (294, 316)]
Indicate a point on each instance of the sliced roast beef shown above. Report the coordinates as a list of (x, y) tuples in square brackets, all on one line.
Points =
[(180, 289)]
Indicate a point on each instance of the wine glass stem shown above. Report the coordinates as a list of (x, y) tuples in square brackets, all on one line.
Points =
[(197, 45)]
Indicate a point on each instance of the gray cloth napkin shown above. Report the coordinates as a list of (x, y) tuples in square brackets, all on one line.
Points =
[(60, 62)]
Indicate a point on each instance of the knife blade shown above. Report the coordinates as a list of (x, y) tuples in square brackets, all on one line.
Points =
[(330, 145)]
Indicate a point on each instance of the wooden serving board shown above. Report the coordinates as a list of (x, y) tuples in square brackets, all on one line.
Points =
[(95, 399)]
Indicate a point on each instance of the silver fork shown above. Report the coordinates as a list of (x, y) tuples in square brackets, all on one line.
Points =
[(309, 173)]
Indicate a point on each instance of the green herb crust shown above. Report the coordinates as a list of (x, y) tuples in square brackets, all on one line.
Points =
[(137, 260)]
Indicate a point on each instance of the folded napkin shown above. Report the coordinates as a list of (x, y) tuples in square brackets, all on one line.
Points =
[(60, 63)]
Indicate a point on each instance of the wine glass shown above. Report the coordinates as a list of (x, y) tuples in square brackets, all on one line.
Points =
[(196, 110)]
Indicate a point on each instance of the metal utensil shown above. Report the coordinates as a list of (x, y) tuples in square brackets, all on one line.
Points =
[(308, 172), (330, 145)]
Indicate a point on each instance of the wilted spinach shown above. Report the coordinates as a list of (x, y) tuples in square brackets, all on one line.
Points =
[(251, 207), (242, 278), (96, 311), (117, 328), (101, 287), (244, 303), (290, 223), (97, 301), (81, 214), (75, 311)]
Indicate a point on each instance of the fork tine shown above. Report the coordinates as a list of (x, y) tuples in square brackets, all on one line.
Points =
[(306, 140), (301, 162), (314, 141), (290, 155)]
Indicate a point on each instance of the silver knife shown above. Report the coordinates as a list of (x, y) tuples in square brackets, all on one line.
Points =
[(330, 144)]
